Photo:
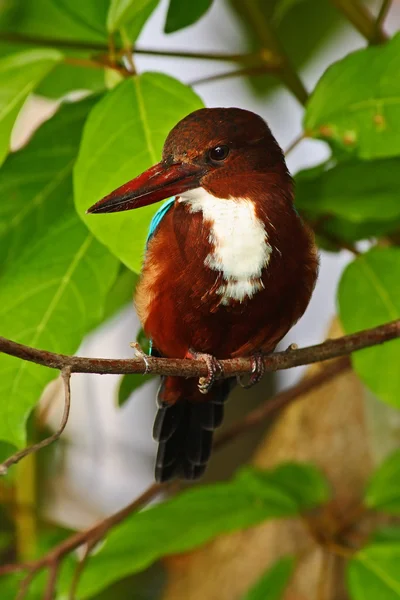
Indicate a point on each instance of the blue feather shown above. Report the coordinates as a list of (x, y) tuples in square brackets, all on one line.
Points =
[(156, 220)]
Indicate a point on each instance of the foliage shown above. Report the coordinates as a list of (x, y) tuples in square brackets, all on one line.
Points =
[(63, 273), (273, 583)]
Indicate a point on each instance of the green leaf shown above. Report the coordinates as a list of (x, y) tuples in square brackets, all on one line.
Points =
[(121, 293), (185, 522), (124, 136), (272, 584), (356, 103), (129, 384), (354, 190), (302, 482), (57, 19), (374, 571), (182, 14), (19, 75), (369, 295), (383, 490), (72, 20), (55, 275), (130, 14)]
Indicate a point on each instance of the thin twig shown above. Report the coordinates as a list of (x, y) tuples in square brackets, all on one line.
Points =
[(96, 531), (361, 18), (295, 143), (382, 14), (99, 47), (15, 458), (79, 569), (50, 590), (263, 69), (271, 43), (197, 368), (25, 583), (94, 64)]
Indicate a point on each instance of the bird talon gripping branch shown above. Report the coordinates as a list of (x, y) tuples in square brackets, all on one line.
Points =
[(229, 267), (257, 371), (214, 370)]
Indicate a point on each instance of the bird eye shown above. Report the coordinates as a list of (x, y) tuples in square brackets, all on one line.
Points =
[(219, 153)]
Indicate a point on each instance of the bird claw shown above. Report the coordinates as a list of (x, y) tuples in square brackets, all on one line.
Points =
[(139, 352), (214, 370), (257, 371)]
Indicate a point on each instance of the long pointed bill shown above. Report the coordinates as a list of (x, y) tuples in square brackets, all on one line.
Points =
[(157, 183)]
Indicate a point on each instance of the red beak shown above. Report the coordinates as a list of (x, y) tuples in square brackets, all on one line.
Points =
[(157, 183)]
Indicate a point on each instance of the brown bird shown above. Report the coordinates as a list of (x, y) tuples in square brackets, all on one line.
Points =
[(229, 267)]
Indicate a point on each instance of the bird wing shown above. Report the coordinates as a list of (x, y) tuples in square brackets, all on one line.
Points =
[(160, 214)]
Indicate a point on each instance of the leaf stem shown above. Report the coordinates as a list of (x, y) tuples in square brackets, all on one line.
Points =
[(270, 43), (360, 17), (382, 14), (104, 48)]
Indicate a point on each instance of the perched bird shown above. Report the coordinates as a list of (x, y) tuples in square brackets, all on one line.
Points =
[(229, 267)]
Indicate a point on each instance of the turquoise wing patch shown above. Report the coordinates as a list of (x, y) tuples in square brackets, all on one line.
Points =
[(160, 214)]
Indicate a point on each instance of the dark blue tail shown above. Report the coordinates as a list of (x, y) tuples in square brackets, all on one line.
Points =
[(184, 426)]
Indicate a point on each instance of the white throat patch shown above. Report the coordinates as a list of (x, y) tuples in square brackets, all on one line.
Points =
[(240, 248)]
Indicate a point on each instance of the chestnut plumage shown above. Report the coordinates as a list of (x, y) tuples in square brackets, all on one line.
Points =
[(229, 265)]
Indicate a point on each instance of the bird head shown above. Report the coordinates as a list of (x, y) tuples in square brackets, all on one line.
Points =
[(219, 149)]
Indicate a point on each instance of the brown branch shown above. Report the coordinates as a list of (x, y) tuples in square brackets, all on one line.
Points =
[(382, 14), (197, 368), (93, 534), (251, 71), (15, 458), (99, 47), (295, 143), (50, 590)]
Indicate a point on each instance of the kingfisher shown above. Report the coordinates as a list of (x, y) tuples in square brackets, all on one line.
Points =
[(229, 267)]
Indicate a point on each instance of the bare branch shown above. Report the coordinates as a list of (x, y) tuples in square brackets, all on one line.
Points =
[(197, 368), (15, 458)]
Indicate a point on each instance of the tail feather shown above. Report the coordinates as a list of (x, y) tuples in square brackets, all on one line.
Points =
[(184, 428)]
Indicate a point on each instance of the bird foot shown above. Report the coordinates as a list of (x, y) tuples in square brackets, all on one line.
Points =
[(257, 371), (139, 352), (214, 370)]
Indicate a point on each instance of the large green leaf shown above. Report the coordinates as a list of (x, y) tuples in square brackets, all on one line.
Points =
[(182, 14), (57, 19), (358, 191), (130, 15), (383, 490), (373, 573), (369, 295), (19, 75), (356, 103), (272, 584), (55, 275), (123, 136), (187, 521)]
